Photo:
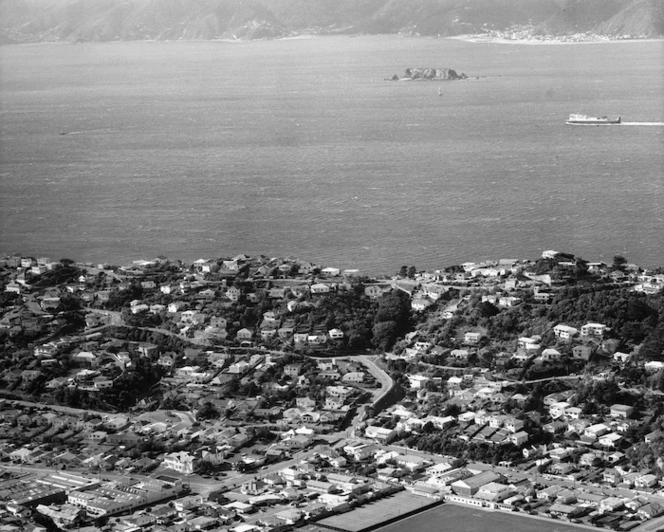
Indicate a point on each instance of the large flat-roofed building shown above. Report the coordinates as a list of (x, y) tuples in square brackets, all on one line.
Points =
[(25, 490), (494, 492), (106, 501), (468, 487), (68, 481), (124, 496), (63, 516)]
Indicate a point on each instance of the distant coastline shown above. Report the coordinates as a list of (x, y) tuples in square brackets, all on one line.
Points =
[(467, 38), (547, 40)]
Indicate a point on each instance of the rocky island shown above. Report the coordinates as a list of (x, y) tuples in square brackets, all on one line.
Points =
[(433, 74)]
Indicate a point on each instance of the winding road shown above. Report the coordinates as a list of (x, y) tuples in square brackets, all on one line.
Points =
[(386, 382)]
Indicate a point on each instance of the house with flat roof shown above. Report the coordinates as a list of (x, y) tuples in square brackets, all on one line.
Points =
[(621, 411), (529, 343), (596, 330), (610, 440), (472, 338), (412, 462), (380, 434), (565, 332)]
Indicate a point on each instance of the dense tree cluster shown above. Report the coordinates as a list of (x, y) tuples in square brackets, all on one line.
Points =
[(634, 319), (119, 299), (392, 319), (437, 442), (351, 311), (65, 272)]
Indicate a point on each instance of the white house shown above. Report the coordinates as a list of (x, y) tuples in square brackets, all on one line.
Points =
[(379, 434), (610, 440), (419, 304), (621, 358), (438, 421), (595, 431), (423, 346), (594, 329), (551, 355), (558, 409), (518, 438), (472, 338), (529, 343), (565, 332), (179, 461), (353, 376), (646, 481), (509, 301), (459, 354), (244, 335), (320, 288), (494, 492)]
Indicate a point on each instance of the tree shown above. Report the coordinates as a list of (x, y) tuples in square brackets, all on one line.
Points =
[(207, 411), (633, 332), (8, 298), (428, 428), (384, 335), (486, 309), (619, 262), (392, 319), (118, 300), (653, 346), (452, 409), (69, 303), (205, 467), (394, 306), (639, 310)]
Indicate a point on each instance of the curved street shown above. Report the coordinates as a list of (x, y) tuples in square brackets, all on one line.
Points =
[(386, 382)]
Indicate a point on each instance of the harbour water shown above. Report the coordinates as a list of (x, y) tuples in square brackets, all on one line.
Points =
[(118, 151)]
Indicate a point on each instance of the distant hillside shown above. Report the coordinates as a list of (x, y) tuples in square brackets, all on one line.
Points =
[(645, 17), (108, 20)]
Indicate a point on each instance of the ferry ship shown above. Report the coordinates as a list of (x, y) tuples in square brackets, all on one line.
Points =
[(585, 120)]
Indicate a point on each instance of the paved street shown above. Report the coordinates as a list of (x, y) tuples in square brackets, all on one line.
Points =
[(381, 376)]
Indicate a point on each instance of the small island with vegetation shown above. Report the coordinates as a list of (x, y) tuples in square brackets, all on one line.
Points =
[(429, 74), (254, 393)]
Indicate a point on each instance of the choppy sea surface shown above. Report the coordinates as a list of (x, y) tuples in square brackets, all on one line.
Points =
[(111, 152)]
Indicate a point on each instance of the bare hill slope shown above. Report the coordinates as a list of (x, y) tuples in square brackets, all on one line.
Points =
[(108, 20)]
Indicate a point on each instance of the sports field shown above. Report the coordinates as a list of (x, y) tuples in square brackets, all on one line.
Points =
[(377, 512), (457, 518)]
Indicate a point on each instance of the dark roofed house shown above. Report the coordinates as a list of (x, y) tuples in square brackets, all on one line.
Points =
[(163, 513), (581, 352), (621, 411), (292, 370), (650, 510), (565, 511)]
